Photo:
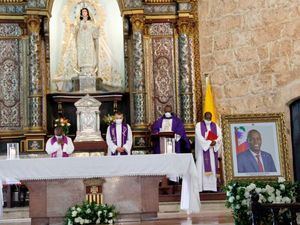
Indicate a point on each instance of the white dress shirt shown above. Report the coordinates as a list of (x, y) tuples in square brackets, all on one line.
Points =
[(255, 157)]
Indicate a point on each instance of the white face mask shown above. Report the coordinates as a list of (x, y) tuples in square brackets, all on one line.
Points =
[(207, 121), (119, 121), (168, 114), (58, 137)]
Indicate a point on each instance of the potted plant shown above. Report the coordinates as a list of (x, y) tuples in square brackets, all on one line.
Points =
[(90, 213)]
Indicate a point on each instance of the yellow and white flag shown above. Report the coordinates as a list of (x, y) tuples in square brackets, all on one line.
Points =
[(209, 103)]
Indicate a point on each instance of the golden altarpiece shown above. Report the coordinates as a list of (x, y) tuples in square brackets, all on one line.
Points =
[(161, 66)]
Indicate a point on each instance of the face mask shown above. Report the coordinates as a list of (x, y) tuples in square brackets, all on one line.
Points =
[(168, 114), (119, 121), (58, 137), (207, 121)]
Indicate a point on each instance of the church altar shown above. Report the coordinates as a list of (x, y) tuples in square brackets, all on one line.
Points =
[(68, 169)]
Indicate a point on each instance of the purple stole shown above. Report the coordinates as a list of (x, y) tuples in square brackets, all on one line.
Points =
[(206, 154), (65, 141), (113, 135)]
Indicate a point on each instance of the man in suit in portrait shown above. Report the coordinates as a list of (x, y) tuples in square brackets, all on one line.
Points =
[(254, 159)]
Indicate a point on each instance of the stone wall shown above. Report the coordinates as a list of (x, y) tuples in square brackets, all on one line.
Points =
[(251, 49)]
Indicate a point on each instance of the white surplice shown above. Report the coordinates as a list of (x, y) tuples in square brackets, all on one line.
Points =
[(112, 147), (206, 182), (55, 147), (87, 33)]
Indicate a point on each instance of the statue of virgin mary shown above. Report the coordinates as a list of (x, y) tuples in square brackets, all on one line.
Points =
[(87, 35), (85, 51)]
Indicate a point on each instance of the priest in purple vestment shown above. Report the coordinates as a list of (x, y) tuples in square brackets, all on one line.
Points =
[(59, 145), (170, 122), (208, 142), (119, 137)]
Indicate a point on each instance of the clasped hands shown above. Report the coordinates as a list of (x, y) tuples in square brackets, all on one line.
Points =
[(60, 141), (213, 143), (120, 149)]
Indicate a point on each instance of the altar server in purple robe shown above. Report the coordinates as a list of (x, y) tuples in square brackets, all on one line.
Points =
[(170, 122), (59, 145), (119, 137), (208, 142)]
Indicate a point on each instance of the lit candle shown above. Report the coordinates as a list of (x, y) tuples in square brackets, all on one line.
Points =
[(12, 153), (169, 147)]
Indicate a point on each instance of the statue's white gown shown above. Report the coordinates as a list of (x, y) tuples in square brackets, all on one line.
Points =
[(87, 35)]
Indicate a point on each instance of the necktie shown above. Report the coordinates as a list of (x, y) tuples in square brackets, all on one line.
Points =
[(260, 166)]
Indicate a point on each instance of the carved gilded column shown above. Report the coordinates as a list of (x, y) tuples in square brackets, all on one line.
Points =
[(139, 90), (185, 81), (35, 77)]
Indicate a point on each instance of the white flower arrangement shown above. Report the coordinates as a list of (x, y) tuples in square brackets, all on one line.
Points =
[(238, 196), (63, 123), (90, 213), (108, 119)]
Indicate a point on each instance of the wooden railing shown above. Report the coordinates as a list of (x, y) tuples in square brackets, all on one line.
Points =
[(259, 210)]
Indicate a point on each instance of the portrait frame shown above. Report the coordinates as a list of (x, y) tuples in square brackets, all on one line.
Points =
[(271, 128), (35, 145)]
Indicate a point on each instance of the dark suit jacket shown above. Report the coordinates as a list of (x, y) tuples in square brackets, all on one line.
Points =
[(247, 162)]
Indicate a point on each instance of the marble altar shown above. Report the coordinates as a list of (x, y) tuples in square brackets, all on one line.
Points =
[(52, 191)]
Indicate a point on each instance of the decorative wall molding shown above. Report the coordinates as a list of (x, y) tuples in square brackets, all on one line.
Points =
[(161, 29), (137, 22), (37, 3), (10, 29), (133, 3), (170, 9), (159, 1), (11, 1), (163, 74), (10, 85), (33, 24), (185, 6), (12, 9), (185, 26)]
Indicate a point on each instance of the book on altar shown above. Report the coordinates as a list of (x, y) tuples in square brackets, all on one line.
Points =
[(211, 136)]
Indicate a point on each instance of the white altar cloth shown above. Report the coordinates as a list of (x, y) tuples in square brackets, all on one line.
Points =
[(182, 165)]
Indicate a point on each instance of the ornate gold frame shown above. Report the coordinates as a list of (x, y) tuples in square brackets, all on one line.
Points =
[(277, 118), (27, 149)]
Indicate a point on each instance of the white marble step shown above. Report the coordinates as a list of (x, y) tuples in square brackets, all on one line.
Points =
[(18, 212), (24, 221)]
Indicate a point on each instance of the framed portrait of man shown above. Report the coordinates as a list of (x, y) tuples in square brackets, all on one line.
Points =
[(255, 147)]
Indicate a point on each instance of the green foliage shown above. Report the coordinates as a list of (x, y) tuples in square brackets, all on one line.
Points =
[(90, 213), (238, 194)]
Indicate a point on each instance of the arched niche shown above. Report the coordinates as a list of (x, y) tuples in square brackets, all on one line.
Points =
[(106, 14)]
